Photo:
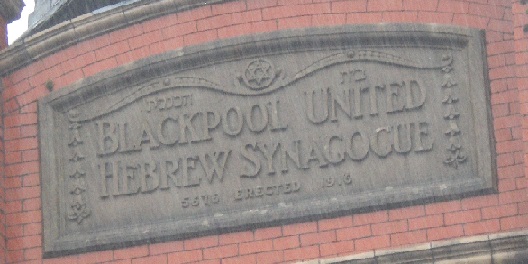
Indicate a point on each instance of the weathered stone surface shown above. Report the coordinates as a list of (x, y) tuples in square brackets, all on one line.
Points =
[(10, 10), (253, 131), (508, 248), (51, 12)]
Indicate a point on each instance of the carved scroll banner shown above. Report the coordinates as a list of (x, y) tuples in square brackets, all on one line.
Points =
[(254, 131)]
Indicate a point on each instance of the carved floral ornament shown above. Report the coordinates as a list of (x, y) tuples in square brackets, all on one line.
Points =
[(77, 206), (449, 84)]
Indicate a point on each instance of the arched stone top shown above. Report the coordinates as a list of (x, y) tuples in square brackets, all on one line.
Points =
[(49, 41)]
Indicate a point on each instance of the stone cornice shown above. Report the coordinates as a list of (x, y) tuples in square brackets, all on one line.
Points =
[(494, 248), (42, 44), (10, 9)]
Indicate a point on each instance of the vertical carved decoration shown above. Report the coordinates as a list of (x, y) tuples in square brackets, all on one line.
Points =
[(449, 85), (77, 209)]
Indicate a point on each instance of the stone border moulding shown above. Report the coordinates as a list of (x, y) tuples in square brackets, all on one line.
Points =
[(509, 247), (190, 57), (42, 44)]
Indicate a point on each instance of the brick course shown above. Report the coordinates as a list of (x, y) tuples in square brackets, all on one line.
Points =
[(20, 209)]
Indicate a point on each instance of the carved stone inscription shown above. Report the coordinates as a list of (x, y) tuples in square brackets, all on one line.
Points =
[(213, 140)]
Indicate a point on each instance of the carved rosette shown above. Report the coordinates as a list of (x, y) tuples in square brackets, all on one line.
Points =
[(77, 208), (449, 85), (259, 74)]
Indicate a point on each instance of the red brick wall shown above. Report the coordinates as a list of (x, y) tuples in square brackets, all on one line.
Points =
[(521, 59), (505, 211), (3, 45)]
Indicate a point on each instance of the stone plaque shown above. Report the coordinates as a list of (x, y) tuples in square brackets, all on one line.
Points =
[(265, 129)]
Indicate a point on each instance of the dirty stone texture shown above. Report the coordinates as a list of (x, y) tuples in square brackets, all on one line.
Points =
[(9, 11), (504, 248)]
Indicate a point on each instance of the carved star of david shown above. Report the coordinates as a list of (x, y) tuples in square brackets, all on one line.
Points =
[(260, 72)]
